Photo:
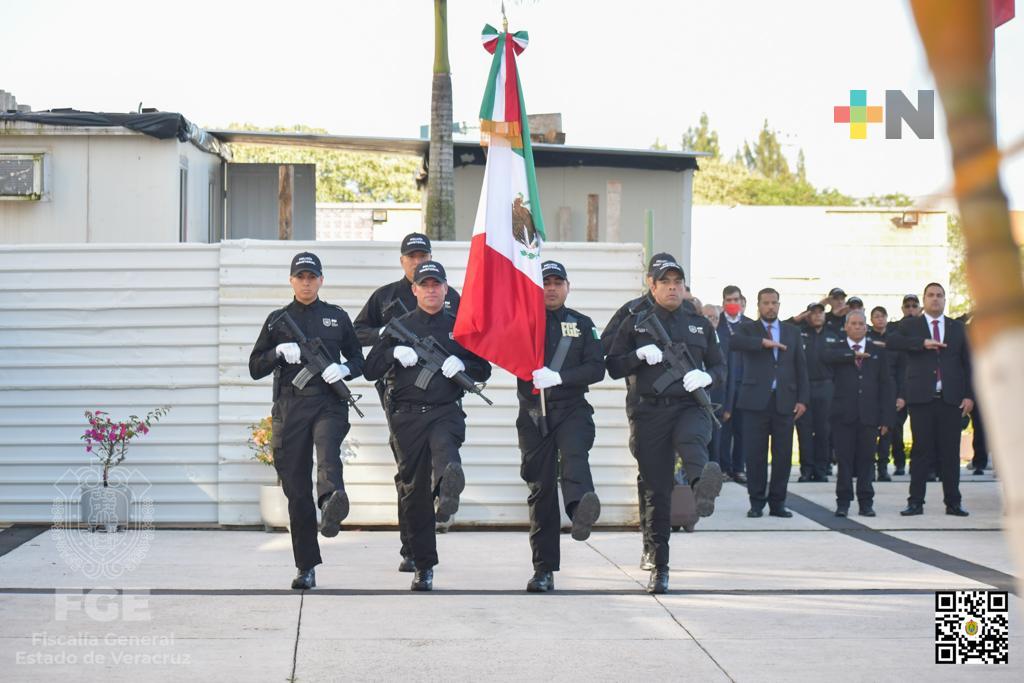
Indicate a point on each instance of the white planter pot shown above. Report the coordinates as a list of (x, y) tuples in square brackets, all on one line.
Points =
[(273, 507), (105, 507)]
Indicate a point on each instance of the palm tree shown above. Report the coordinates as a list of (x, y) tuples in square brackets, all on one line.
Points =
[(440, 214)]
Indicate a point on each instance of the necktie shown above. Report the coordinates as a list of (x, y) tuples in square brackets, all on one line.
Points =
[(936, 337), (858, 361)]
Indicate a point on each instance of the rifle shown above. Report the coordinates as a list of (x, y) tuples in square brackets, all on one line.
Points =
[(678, 358), (316, 360), (431, 355)]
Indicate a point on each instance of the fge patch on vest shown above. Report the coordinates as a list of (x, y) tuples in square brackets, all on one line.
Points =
[(570, 330), (695, 329), (330, 322)]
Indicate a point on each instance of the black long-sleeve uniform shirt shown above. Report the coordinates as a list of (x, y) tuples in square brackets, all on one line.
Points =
[(584, 364), (376, 314), (381, 361), (815, 342), (681, 325), (319, 319)]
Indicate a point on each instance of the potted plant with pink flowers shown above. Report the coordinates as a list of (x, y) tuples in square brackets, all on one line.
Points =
[(107, 506)]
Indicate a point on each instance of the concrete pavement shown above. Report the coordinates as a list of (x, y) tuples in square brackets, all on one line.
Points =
[(806, 598)]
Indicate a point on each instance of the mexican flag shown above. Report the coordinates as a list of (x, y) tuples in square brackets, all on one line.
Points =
[(501, 315)]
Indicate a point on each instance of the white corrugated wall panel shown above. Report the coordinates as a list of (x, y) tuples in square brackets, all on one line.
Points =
[(132, 327), (123, 329)]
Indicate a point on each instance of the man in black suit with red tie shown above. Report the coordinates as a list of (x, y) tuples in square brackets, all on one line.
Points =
[(774, 392), (863, 406), (938, 393)]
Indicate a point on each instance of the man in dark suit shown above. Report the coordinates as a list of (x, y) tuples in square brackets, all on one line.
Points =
[(774, 392), (730, 440), (863, 405), (938, 393)]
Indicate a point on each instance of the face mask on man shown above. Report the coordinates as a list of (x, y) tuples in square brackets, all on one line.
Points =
[(732, 309)]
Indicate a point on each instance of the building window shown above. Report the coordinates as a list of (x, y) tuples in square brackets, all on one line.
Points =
[(21, 177)]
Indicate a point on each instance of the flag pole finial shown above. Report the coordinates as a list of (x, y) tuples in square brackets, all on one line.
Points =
[(504, 18)]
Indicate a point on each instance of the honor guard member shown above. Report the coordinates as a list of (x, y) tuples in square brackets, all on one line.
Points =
[(836, 316), (911, 307), (938, 393), (428, 425), (310, 417), (670, 422), (607, 337), (379, 309), (864, 406), (812, 429), (558, 446)]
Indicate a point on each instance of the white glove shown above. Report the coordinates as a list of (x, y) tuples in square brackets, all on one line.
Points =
[(452, 366), (696, 379), (405, 355), (334, 372), (545, 378), (290, 352), (650, 353)]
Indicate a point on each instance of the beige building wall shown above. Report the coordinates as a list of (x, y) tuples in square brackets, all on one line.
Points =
[(805, 251), (108, 185)]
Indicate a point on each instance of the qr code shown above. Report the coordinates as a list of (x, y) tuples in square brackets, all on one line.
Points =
[(972, 627)]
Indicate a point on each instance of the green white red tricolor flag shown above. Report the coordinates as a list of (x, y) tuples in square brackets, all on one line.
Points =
[(501, 314)]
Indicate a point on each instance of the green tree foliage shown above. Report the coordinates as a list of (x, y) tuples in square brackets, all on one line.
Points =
[(765, 156), (701, 138), (958, 300), (340, 176)]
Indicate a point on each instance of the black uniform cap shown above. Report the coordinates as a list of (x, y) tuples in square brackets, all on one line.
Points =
[(836, 291), (553, 268), (415, 241), (307, 261), (428, 270), (815, 304)]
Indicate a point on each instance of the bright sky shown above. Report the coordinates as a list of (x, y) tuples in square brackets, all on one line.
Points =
[(622, 74)]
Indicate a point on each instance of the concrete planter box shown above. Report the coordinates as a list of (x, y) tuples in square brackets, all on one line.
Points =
[(106, 508), (273, 507)]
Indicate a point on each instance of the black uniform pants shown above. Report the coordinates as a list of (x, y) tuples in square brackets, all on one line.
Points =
[(855, 448), (426, 442), (730, 444), (980, 442), (403, 529), (936, 430), (812, 431), (641, 502), (663, 432), (300, 424), (758, 426), (571, 436), (899, 454)]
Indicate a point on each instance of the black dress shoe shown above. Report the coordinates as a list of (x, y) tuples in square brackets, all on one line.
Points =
[(780, 512), (583, 517), (867, 511), (542, 582), (647, 560), (956, 511), (423, 580), (842, 510), (884, 476), (819, 478), (912, 510), (334, 509), (979, 472), (899, 472), (804, 477), (658, 583), (739, 478), (755, 512), (453, 481), (304, 580), (707, 489), (407, 565)]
